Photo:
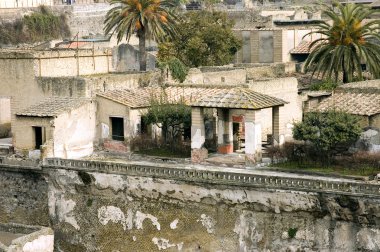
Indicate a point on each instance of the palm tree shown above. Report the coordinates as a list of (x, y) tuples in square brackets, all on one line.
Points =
[(347, 41), (149, 19)]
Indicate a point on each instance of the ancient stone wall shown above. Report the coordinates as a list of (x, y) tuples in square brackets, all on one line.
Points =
[(95, 206), (24, 197), (109, 207)]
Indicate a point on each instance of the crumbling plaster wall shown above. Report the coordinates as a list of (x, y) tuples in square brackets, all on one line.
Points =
[(74, 132), (110, 212)]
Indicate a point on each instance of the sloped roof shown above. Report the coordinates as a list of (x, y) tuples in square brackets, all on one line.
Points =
[(302, 48), (53, 106), (141, 97), (362, 86), (195, 96), (239, 98), (357, 103)]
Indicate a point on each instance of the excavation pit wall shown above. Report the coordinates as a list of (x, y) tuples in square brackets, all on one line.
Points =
[(106, 206), (152, 207)]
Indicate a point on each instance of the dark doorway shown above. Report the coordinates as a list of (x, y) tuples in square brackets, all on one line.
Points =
[(117, 128), (38, 137)]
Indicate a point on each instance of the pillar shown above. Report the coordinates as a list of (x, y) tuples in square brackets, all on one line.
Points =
[(198, 153), (278, 126), (252, 137), (225, 138)]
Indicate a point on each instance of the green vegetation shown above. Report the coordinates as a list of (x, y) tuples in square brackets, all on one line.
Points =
[(173, 117), (164, 152), (292, 232), (346, 43), (153, 19), (39, 26), (333, 169), (203, 39), (177, 69), (329, 133), (327, 85)]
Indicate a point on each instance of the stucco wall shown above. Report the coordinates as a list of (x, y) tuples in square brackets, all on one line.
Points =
[(282, 88), (107, 108), (66, 63), (5, 110), (74, 132), (23, 132)]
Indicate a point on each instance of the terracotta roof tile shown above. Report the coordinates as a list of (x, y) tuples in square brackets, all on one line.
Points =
[(195, 96), (240, 98), (302, 48), (356, 103), (53, 106)]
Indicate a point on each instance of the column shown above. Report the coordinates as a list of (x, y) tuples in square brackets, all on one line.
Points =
[(252, 137), (278, 126), (225, 138), (198, 153)]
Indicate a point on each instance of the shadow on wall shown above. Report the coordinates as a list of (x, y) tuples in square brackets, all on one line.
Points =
[(126, 58)]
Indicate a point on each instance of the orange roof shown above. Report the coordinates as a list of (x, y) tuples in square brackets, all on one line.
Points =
[(302, 48)]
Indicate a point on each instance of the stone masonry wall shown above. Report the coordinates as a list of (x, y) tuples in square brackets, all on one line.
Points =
[(24, 197), (94, 211), (104, 209)]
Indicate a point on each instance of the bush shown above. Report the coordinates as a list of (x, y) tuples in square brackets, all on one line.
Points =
[(327, 85), (330, 133), (39, 26), (145, 144)]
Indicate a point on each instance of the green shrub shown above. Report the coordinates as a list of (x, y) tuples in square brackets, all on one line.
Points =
[(292, 232), (327, 85), (39, 26)]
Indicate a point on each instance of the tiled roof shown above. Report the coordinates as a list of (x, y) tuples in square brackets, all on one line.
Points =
[(356, 103), (141, 97), (53, 106), (302, 48), (368, 85), (195, 96), (240, 98)]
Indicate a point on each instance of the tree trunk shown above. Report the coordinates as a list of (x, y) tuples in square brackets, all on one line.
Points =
[(345, 74), (142, 49)]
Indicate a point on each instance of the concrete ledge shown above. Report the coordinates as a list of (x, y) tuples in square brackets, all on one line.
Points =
[(222, 176)]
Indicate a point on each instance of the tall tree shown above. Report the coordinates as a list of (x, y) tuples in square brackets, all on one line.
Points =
[(204, 39), (349, 39), (149, 19)]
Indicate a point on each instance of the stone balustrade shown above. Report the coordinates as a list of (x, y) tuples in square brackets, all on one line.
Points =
[(218, 176)]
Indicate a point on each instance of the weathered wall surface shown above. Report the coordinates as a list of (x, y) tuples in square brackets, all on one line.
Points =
[(24, 197), (74, 132), (286, 89), (110, 212)]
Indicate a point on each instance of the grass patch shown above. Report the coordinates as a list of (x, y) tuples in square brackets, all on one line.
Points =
[(332, 169), (163, 152)]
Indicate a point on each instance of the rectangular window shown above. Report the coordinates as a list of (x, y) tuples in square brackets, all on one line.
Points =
[(117, 125), (38, 137)]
